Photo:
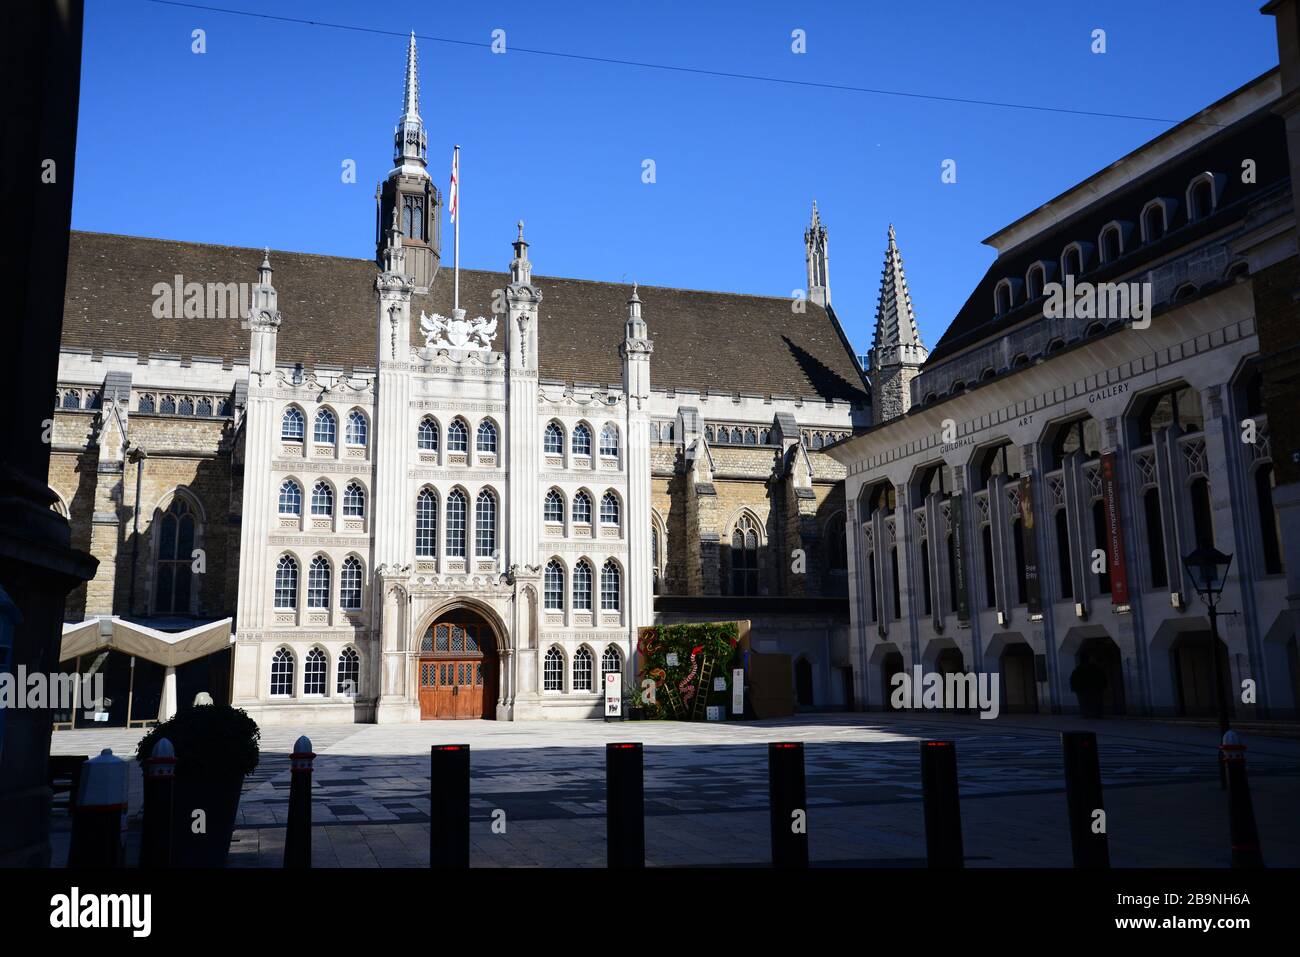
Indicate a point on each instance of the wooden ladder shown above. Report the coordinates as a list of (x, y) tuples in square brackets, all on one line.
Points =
[(700, 706)]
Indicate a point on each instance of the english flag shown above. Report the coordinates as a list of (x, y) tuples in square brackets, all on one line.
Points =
[(453, 199)]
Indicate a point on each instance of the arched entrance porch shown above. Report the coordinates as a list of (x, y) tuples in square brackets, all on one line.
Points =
[(458, 665)]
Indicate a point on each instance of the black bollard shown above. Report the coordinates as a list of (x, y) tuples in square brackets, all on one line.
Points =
[(943, 847), (788, 804), (1241, 811), (1083, 799), (625, 804), (99, 812), (156, 822), (297, 833), (449, 806)]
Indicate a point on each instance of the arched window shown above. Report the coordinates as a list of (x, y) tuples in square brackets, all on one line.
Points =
[(487, 436), (290, 498), (654, 557), (553, 671), (553, 507), (1035, 279), (1019, 361), (322, 499), (324, 428), (744, 556), (1180, 406), (708, 433), (1111, 244), (553, 439), (582, 662), (282, 673), (737, 438), (553, 586), (1153, 222), (354, 501), (1063, 572), (426, 524), (169, 407), (1200, 198), (185, 407), (581, 440), (582, 509), (485, 524), (456, 506), (457, 436), (1055, 345), (203, 407), (286, 582), (175, 555), (609, 440), (350, 584), (146, 403), (1155, 529), (751, 437), (291, 424), (427, 436), (1072, 261), (611, 662), (71, 399), (1269, 532), (1002, 296), (358, 428), (611, 586), (582, 586), (318, 583), (349, 673), (837, 559), (313, 673), (609, 509), (1202, 515)]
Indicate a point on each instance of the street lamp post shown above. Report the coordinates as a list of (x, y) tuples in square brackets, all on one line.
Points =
[(1208, 569)]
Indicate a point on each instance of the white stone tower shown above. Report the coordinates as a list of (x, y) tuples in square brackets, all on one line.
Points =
[(636, 350), (897, 351)]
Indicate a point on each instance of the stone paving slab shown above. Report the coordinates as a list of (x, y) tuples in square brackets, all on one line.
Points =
[(706, 791)]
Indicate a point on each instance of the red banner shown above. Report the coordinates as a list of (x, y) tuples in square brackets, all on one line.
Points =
[(1114, 530)]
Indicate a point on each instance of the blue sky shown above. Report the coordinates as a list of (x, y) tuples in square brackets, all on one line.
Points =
[(245, 143)]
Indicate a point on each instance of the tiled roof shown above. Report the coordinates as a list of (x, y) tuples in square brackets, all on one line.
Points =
[(715, 341)]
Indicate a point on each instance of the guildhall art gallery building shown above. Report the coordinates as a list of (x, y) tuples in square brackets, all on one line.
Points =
[(1024, 500)]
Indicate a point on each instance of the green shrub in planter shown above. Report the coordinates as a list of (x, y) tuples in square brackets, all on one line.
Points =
[(216, 748)]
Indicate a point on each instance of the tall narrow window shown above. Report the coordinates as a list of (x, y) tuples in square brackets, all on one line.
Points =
[(609, 509), (357, 428), (291, 424), (1268, 521), (744, 557), (610, 662), (871, 579), (485, 524), (318, 583), (456, 506), (1155, 527), (313, 673), (553, 440), (925, 576), (324, 430), (582, 668), (1201, 200), (427, 437), (349, 673), (1018, 541), (457, 436), (581, 440), (175, 555), (1100, 539), (610, 586), (1202, 516), (553, 671), (426, 524), (609, 440), (1063, 554), (282, 673), (990, 585), (1153, 223), (286, 582), (582, 509), (895, 585), (487, 437), (322, 499), (354, 501), (350, 584), (582, 586), (553, 507), (553, 586), (952, 569)]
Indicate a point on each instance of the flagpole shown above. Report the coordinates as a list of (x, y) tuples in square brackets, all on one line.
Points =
[(455, 295)]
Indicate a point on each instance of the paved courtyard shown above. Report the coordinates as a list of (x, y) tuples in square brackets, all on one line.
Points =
[(706, 791)]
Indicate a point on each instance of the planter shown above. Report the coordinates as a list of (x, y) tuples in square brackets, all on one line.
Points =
[(635, 714), (217, 795)]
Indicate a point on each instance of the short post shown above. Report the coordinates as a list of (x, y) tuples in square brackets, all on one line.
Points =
[(1083, 799), (788, 804), (297, 834), (99, 812), (943, 845), (1241, 812), (625, 804), (449, 806), (156, 822)]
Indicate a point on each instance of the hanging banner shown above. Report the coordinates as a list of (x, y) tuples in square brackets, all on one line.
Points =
[(959, 560), (1114, 532), (1029, 537)]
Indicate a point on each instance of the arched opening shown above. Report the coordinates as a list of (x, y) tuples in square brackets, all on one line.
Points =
[(1193, 670), (803, 683), (1098, 677), (1019, 687), (458, 666), (891, 665)]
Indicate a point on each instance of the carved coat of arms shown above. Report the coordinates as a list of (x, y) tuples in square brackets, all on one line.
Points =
[(457, 332)]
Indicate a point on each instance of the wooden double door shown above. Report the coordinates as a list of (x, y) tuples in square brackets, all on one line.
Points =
[(457, 671)]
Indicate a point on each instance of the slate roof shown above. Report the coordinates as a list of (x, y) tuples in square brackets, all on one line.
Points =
[(1260, 136), (715, 341)]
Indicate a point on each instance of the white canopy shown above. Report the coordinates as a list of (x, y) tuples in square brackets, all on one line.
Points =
[(167, 648)]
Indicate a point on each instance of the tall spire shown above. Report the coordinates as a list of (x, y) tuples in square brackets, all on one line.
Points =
[(410, 141), (897, 351), (818, 259)]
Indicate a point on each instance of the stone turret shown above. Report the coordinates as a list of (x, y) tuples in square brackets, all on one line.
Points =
[(897, 352)]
